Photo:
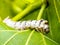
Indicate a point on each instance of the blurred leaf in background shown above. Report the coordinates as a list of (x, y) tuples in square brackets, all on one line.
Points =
[(4, 8)]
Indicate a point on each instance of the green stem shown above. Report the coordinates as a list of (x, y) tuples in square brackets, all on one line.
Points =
[(27, 10), (41, 11)]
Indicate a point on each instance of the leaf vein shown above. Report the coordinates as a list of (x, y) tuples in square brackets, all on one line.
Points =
[(29, 37), (43, 39), (51, 40), (56, 10), (13, 37)]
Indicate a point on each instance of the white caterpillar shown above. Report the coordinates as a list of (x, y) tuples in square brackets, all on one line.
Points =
[(32, 24)]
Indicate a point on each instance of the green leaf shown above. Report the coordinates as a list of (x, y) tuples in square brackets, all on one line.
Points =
[(21, 37), (53, 14), (20, 3), (5, 8), (31, 37)]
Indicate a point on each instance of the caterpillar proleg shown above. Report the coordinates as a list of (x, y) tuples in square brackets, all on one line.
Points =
[(32, 24)]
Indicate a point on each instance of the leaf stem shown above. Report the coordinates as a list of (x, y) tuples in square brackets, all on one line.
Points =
[(27, 10), (41, 11)]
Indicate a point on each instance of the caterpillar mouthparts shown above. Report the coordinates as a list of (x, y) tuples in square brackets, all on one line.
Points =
[(39, 25)]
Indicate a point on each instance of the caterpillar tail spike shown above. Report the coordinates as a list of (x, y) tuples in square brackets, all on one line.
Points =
[(39, 25)]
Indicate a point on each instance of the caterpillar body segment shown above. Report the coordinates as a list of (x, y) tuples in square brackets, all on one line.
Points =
[(39, 25)]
